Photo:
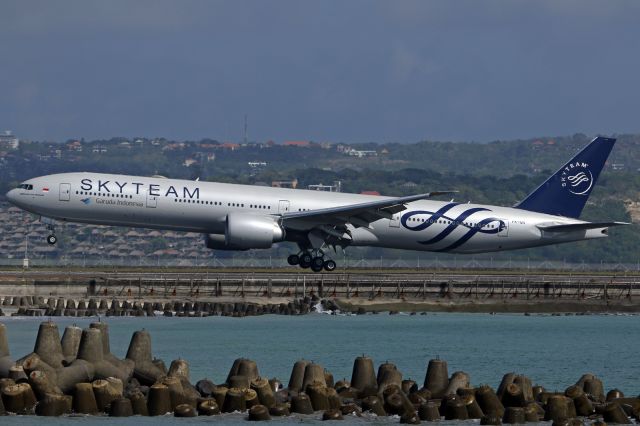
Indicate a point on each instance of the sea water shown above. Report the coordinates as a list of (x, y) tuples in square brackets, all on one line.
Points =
[(553, 351)]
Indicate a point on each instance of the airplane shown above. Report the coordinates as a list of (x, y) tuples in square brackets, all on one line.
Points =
[(244, 217)]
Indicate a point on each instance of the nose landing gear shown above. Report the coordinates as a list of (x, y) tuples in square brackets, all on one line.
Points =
[(51, 238), (315, 260)]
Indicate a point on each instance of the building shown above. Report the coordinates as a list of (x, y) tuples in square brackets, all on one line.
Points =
[(8, 140), (361, 153), (299, 144), (293, 184), (336, 187)]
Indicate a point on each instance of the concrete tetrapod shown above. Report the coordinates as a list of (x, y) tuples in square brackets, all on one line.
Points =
[(279, 410), (458, 380), (489, 402), (514, 415), (71, 343), (159, 400), (219, 393), (234, 400), (318, 396), (297, 375), (332, 414), (18, 398), (126, 365), (48, 346), (41, 384), (301, 404), (259, 413), (264, 391), (84, 400), (374, 404), (185, 410), (5, 359), (473, 408), (105, 394), (121, 407), (363, 376), (437, 378), (613, 413), (429, 411), (140, 353), (91, 351), (208, 407), (525, 384), (313, 373), (176, 392), (54, 405), (138, 404), (382, 369)]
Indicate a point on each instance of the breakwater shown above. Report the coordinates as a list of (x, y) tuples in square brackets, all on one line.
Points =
[(479, 291), (69, 373)]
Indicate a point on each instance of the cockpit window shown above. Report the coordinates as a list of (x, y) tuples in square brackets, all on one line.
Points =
[(26, 186)]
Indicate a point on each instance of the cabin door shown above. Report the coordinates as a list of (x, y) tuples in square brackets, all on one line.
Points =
[(152, 201), (65, 191), (504, 228), (283, 206)]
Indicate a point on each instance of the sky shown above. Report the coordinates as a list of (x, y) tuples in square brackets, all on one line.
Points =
[(340, 71)]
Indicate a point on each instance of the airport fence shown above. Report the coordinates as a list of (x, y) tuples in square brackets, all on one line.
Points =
[(248, 262)]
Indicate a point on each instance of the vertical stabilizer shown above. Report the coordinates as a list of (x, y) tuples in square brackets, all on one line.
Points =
[(566, 192)]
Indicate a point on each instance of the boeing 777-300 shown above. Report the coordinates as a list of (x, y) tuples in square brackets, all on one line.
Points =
[(245, 217)]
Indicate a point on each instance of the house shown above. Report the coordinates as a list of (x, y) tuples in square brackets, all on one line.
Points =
[(293, 184), (231, 146), (299, 144), (9, 141), (74, 146), (362, 153)]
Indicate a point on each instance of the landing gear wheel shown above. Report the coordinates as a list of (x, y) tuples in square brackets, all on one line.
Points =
[(52, 239), (293, 259), (317, 262), (329, 265), (305, 260), (316, 268)]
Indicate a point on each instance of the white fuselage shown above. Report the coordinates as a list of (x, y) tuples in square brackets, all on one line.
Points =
[(193, 206)]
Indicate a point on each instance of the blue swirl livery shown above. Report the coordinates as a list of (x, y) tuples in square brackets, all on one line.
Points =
[(452, 223)]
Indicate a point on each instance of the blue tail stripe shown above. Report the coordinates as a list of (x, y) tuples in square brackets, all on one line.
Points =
[(566, 192)]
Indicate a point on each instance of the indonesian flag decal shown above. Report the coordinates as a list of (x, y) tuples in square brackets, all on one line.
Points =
[(45, 189)]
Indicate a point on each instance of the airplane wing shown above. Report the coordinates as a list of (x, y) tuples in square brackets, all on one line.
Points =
[(554, 227), (359, 215)]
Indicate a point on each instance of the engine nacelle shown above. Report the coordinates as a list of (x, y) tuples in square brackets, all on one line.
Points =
[(247, 231), (217, 242)]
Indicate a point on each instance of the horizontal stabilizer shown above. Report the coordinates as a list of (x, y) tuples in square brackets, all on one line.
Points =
[(568, 227)]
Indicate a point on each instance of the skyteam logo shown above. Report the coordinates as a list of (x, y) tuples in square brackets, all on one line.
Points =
[(577, 178), (87, 201)]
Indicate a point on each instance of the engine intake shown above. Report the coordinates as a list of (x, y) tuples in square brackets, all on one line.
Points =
[(247, 231)]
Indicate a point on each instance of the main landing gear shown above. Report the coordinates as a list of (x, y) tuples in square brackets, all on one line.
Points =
[(315, 260)]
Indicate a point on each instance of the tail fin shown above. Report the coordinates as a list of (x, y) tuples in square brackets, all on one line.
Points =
[(565, 193)]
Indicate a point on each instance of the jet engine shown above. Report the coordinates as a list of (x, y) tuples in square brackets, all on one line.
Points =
[(246, 231)]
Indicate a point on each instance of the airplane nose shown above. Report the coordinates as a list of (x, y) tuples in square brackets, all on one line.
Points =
[(11, 196)]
